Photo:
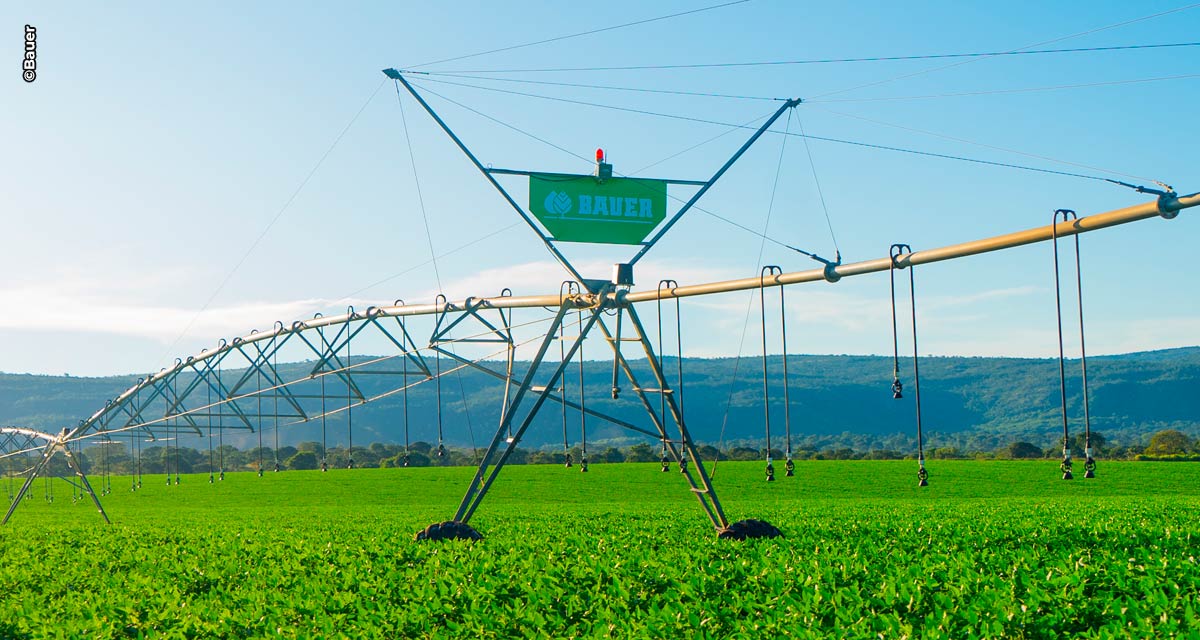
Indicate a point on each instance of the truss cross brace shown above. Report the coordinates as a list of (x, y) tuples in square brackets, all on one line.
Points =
[(54, 444), (695, 474)]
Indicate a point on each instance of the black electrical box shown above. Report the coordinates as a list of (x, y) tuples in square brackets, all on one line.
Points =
[(622, 274)]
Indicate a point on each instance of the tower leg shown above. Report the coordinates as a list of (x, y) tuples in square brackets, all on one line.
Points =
[(486, 473), (84, 481), (47, 453), (471, 501), (696, 475)]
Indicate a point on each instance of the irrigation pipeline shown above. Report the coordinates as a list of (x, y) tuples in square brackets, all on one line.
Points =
[(1166, 206)]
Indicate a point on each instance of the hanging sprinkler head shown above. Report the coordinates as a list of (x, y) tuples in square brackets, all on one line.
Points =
[(897, 389), (1089, 464), (1066, 465), (789, 467)]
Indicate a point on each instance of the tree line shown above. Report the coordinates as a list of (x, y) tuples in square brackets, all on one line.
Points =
[(118, 459), (978, 405)]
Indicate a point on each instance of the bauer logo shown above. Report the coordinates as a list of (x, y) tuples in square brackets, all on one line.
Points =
[(557, 203)]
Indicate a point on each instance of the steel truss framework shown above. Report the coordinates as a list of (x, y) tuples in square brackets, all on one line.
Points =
[(18, 439), (242, 385)]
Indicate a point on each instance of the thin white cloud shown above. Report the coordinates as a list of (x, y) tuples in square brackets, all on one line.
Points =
[(822, 319), (1144, 334), (42, 309), (545, 277), (981, 296)]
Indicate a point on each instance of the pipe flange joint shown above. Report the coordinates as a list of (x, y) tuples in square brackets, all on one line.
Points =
[(1168, 205), (620, 298), (830, 272)]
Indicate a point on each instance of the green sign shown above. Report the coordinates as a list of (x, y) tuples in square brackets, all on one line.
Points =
[(587, 209)]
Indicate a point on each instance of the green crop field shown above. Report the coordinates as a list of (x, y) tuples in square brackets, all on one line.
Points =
[(989, 549)]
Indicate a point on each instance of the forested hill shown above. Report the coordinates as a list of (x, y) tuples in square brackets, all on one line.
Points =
[(835, 401)]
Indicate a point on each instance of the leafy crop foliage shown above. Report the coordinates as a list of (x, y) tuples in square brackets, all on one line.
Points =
[(990, 549)]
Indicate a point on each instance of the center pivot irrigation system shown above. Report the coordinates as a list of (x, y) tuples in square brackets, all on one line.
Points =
[(241, 385)]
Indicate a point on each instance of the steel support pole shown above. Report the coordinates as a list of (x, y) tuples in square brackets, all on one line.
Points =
[(562, 260), (705, 488), (52, 446), (716, 516), (620, 363), (554, 397), (526, 382), (713, 510), (716, 176), (75, 466), (480, 485), (47, 453), (510, 354)]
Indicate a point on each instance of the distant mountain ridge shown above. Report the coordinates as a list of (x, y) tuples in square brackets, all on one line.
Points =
[(841, 400)]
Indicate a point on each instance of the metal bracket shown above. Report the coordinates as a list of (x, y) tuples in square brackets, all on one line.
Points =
[(1168, 205), (1168, 199)]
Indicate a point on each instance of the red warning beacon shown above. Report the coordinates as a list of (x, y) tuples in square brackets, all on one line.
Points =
[(603, 169)]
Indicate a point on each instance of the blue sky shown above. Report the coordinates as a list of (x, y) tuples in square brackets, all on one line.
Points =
[(159, 141)]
